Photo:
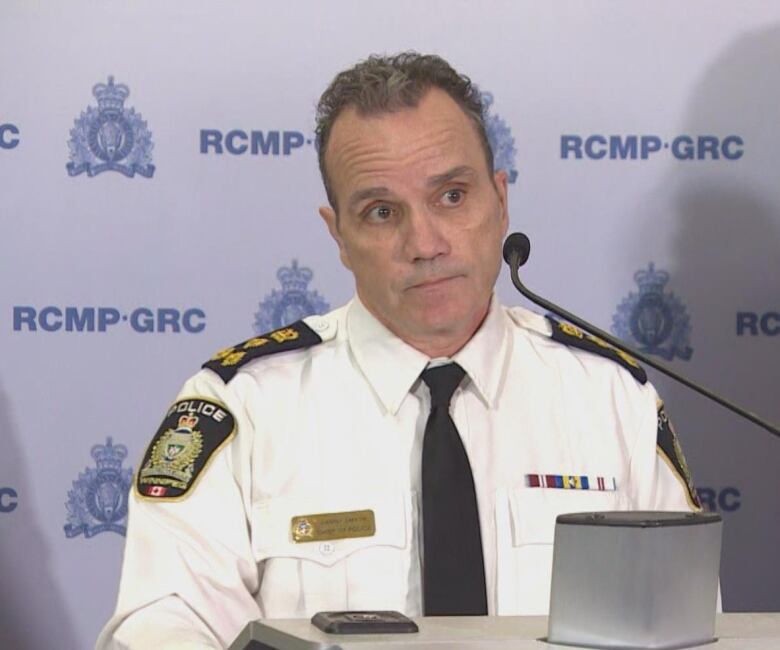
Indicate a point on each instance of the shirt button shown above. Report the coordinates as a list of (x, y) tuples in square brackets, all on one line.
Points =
[(327, 548), (318, 324)]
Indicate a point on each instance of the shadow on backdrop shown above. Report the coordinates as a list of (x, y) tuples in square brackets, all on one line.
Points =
[(33, 614), (725, 260)]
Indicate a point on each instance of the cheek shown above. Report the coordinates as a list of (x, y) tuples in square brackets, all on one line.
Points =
[(486, 259), (374, 254), (372, 271), (355, 252)]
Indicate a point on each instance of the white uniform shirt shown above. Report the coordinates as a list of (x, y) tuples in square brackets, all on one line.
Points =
[(338, 427)]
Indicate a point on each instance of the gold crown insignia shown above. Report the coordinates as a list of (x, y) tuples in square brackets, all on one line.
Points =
[(188, 421)]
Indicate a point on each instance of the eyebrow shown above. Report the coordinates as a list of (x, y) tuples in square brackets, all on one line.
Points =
[(455, 172), (367, 193), (380, 191)]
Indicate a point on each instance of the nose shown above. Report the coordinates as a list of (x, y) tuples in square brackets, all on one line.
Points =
[(423, 237)]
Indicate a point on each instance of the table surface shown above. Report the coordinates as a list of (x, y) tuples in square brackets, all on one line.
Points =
[(754, 631)]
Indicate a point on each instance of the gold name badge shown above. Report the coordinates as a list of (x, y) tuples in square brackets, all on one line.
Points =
[(333, 525)]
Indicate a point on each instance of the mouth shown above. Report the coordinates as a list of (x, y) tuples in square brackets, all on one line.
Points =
[(433, 283)]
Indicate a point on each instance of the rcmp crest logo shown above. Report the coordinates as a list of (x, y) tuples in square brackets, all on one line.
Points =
[(98, 500), (500, 138), (292, 303), (654, 320), (110, 137)]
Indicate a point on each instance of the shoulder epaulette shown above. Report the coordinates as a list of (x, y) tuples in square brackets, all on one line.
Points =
[(572, 336), (292, 337)]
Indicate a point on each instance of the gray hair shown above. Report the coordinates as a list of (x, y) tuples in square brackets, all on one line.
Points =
[(384, 84)]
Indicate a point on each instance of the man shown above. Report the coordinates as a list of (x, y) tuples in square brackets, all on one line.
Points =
[(410, 450)]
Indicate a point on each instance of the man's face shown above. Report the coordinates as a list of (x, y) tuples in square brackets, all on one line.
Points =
[(420, 219)]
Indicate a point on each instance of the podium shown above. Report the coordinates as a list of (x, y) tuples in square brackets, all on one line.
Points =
[(608, 590), (733, 631)]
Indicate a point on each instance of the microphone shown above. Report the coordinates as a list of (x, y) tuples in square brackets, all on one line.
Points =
[(517, 248), (516, 251)]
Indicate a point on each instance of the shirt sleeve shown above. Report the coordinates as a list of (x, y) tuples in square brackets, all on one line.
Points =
[(660, 478), (188, 575), (167, 623)]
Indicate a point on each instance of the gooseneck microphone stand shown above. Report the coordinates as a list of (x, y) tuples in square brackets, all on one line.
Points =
[(517, 249)]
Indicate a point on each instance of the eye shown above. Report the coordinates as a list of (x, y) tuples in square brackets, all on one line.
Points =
[(453, 197), (379, 213)]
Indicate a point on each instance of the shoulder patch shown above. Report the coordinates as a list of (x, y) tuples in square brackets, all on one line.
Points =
[(668, 446), (293, 337), (194, 429), (572, 336)]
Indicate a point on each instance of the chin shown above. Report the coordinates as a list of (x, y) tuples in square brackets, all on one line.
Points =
[(444, 319)]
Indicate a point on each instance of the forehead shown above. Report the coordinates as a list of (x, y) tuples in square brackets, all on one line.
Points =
[(426, 139)]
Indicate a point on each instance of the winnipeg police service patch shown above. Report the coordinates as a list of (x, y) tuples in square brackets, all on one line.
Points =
[(193, 430), (668, 445)]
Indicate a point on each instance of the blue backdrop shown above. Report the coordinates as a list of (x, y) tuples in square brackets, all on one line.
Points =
[(158, 201)]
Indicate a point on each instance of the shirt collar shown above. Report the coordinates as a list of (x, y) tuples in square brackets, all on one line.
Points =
[(392, 367), (485, 355)]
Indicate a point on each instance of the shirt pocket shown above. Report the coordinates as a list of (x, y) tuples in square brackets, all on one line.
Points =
[(300, 579), (525, 531)]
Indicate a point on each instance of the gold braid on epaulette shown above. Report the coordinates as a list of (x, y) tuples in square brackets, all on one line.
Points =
[(574, 337), (297, 336)]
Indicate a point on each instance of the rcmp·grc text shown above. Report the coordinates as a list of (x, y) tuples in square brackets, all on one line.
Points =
[(643, 147), (728, 499), (752, 324), (256, 143), (9, 136), (8, 499), (101, 319)]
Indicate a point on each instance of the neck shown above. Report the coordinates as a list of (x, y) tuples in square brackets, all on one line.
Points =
[(443, 343)]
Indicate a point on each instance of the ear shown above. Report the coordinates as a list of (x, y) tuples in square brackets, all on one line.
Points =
[(330, 218), (500, 181)]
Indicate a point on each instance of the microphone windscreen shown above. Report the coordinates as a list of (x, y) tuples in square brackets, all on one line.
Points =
[(519, 243)]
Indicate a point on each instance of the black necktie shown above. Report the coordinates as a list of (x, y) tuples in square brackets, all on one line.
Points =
[(453, 567)]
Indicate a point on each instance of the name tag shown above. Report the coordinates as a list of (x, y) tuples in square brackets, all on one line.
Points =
[(333, 525)]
